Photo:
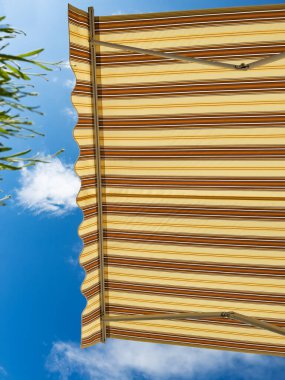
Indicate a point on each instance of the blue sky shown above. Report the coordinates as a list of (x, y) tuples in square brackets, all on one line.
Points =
[(40, 278)]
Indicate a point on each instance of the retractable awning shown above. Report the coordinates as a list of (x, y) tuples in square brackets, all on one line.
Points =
[(182, 149)]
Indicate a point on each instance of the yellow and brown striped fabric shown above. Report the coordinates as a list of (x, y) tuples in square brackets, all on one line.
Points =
[(193, 175)]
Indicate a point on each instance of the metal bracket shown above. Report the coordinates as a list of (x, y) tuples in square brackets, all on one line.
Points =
[(242, 66)]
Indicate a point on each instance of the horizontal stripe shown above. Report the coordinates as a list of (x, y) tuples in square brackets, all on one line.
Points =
[(177, 172), (200, 305), (190, 266), (178, 72), (91, 279), (172, 105), (183, 339), (79, 54), (93, 290), (202, 17), (202, 201), (243, 183), (72, 10), (218, 225), (170, 89), (90, 211), (121, 310), (253, 120), (89, 238), (159, 73), (130, 287), (91, 265), (193, 211), (90, 340), (170, 19), (199, 254), (87, 318), (178, 89), (188, 198), (112, 308), (172, 138), (188, 152), (173, 168), (223, 35), (88, 227), (88, 253), (201, 240), (245, 333), (197, 280), (86, 198), (88, 182)]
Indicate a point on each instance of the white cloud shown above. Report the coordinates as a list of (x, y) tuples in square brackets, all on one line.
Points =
[(119, 360), (70, 112), (70, 83), (48, 187), (3, 372), (65, 65), (73, 261), (119, 12)]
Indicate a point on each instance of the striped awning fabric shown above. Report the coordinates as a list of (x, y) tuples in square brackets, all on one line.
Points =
[(192, 175)]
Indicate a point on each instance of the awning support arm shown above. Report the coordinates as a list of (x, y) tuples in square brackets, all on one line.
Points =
[(169, 55), (194, 315), (264, 61), (202, 61)]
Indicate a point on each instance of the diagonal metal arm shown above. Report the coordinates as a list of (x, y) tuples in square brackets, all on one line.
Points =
[(202, 61), (168, 55), (264, 61), (194, 315), (256, 322)]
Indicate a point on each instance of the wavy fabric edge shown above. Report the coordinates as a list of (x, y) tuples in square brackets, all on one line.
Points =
[(86, 200)]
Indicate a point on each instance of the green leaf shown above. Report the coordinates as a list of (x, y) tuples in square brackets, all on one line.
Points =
[(31, 53), (8, 167), (57, 153), (2, 200), (16, 155), (16, 74), (4, 149)]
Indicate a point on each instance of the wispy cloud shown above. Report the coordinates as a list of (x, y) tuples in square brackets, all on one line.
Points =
[(120, 360), (65, 65), (70, 112), (54, 79), (119, 12), (69, 83), (48, 188), (3, 373)]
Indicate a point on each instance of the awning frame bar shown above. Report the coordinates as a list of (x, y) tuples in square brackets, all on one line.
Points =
[(194, 315), (98, 174)]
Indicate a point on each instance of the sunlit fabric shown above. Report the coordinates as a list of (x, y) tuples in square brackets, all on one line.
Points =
[(192, 160)]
